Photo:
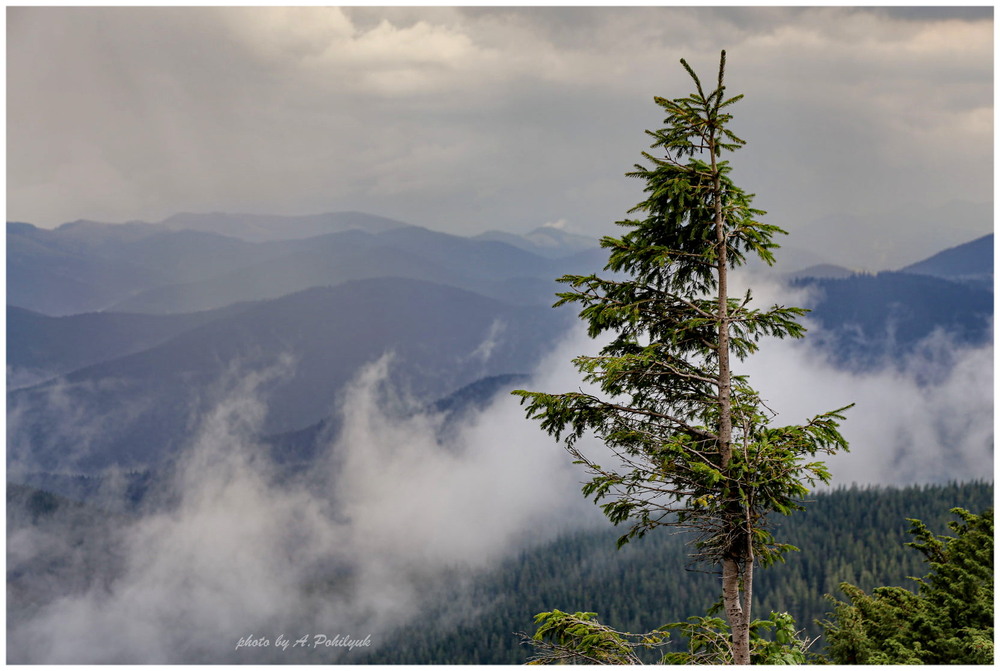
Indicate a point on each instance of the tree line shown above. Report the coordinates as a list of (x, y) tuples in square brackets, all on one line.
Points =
[(849, 534)]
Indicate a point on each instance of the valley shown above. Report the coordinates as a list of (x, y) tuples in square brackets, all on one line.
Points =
[(326, 378)]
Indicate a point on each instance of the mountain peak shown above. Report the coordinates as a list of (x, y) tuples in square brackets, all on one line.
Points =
[(271, 227), (972, 260)]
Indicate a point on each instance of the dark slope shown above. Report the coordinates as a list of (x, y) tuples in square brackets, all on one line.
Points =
[(868, 321), (40, 346), (292, 452), (72, 548), (971, 261), (136, 409)]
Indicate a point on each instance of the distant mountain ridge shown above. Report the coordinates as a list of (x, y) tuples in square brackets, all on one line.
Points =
[(87, 266), (270, 228), (57, 274), (972, 261), (151, 268), (40, 347), (484, 266)]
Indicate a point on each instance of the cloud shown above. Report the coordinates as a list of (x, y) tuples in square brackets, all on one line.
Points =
[(485, 349), (83, 424), (231, 547), (466, 119), (325, 49), (289, 34), (899, 432), (927, 421)]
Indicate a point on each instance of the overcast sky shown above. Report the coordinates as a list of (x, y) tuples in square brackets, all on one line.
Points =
[(464, 120)]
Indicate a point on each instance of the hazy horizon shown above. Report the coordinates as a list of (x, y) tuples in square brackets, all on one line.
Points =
[(873, 121)]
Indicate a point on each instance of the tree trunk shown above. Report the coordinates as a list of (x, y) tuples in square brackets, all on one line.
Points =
[(722, 316), (737, 609), (735, 613)]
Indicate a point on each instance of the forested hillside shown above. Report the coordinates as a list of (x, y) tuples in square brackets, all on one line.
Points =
[(870, 321), (850, 534)]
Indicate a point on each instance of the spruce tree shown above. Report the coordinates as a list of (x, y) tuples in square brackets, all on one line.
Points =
[(948, 620), (692, 440)]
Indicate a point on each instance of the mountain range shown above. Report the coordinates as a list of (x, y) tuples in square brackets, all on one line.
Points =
[(120, 336), (160, 268)]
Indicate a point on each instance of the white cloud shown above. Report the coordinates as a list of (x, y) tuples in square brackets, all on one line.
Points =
[(236, 548), (288, 33), (924, 422), (485, 349)]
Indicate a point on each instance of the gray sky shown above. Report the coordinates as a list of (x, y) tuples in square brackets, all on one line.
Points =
[(464, 120)]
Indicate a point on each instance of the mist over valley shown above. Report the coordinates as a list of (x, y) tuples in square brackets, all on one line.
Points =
[(215, 431)]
